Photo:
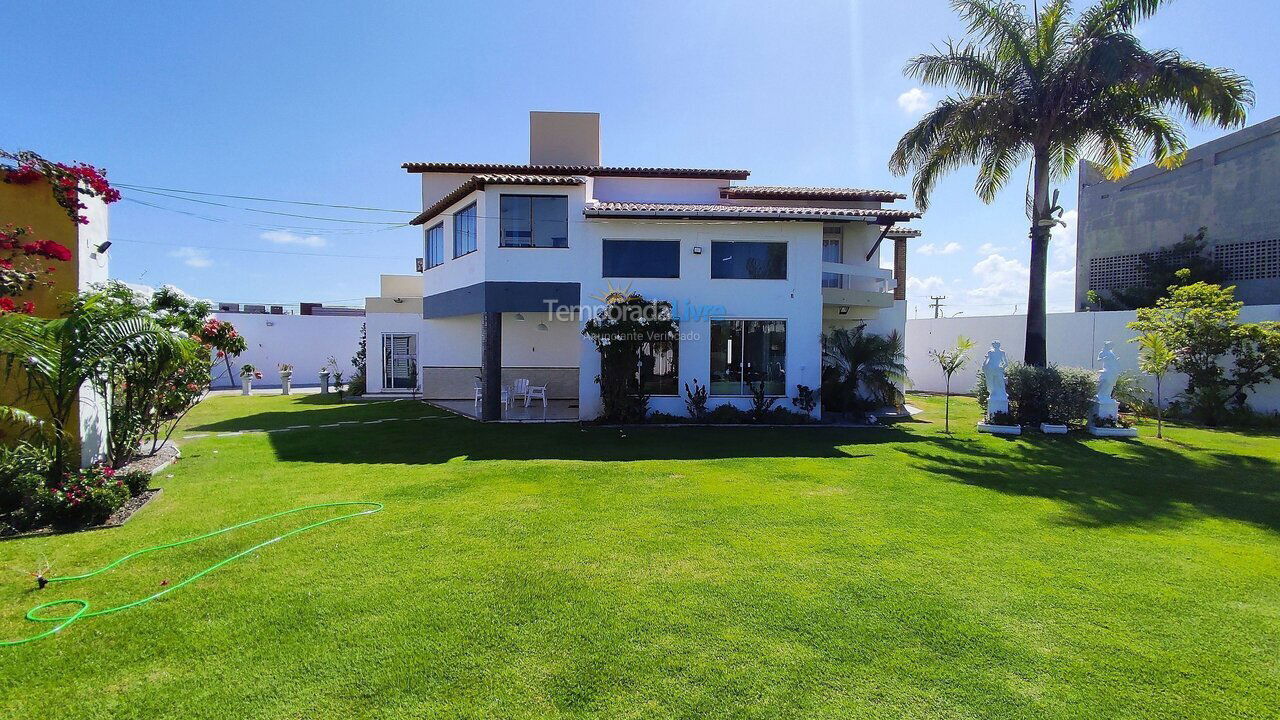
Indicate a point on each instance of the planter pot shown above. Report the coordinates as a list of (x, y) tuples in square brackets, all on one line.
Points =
[(1051, 429), (324, 382), (286, 381), (1000, 429), (1122, 432), (246, 384)]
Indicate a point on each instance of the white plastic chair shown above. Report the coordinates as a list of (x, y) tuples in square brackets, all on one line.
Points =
[(521, 391), (535, 392), (506, 395)]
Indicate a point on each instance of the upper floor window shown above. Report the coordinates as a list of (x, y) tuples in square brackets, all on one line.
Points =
[(749, 260), (642, 258), (464, 231), (435, 246), (534, 221)]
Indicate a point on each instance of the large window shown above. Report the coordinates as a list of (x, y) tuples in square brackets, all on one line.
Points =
[(749, 260), (660, 368), (535, 221), (832, 252), (464, 231), (642, 258), (399, 361), (435, 246), (745, 353)]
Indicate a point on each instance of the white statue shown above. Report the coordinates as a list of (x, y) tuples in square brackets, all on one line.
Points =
[(993, 372), (1106, 406)]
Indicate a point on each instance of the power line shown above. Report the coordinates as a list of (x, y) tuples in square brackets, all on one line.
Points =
[(264, 199), (267, 212), (295, 228), (937, 305), (220, 248)]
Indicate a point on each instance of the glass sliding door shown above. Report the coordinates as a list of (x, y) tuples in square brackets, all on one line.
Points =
[(746, 353), (832, 252), (399, 361)]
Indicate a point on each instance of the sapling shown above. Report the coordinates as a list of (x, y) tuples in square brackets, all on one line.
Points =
[(950, 361), (1155, 358)]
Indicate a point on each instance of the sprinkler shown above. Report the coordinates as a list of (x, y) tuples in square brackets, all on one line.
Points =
[(43, 579)]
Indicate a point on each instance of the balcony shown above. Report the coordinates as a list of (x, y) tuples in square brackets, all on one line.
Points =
[(861, 285)]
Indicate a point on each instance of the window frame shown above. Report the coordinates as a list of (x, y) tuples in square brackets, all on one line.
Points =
[(461, 215), (426, 255), (675, 362), (502, 235), (388, 355), (786, 270), (743, 385), (604, 262)]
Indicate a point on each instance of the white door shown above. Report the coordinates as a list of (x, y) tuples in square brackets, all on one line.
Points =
[(399, 361)]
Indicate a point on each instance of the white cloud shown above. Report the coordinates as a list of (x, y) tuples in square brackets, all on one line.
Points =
[(1001, 281), (931, 249), (914, 100), (192, 257), (1062, 244), (280, 237), (991, 248), (925, 285)]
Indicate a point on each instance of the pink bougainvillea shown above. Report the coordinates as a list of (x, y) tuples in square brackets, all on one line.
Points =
[(68, 182)]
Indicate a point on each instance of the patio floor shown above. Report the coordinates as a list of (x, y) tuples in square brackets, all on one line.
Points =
[(555, 411)]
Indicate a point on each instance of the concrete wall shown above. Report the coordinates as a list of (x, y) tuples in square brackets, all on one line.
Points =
[(1230, 186), (1074, 339), (304, 341)]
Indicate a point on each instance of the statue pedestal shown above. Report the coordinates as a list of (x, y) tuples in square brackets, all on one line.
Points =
[(1107, 410), (999, 429)]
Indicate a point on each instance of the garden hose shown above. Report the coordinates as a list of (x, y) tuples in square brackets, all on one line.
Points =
[(83, 611)]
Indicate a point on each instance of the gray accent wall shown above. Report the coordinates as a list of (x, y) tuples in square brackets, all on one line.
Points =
[(1230, 185), (458, 383), (501, 297)]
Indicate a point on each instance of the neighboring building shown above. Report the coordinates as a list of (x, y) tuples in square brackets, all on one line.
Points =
[(516, 256), (1230, 186), (33, 205)]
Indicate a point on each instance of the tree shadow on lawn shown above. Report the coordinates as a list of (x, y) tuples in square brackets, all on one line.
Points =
[(329, 411), (433, 441), (1146, 485)]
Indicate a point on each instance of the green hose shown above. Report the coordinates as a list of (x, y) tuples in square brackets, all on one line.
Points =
[(83, 612)]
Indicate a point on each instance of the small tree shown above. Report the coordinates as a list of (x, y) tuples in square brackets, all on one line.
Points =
[(1155, 358), (950, 361), (620, 330)]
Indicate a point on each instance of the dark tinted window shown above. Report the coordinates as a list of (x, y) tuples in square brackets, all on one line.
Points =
[(642, 258), (534, 221), (749, 260), (464, 230), (435, 245)]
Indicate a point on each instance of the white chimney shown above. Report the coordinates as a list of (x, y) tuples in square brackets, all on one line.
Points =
[(564, 138)]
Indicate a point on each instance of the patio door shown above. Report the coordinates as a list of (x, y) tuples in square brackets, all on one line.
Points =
[(399, 361)]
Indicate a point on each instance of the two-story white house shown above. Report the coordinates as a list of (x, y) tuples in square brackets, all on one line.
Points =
[(516, 257)]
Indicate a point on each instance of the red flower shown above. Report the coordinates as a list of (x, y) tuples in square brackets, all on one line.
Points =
[(6, 304), (29, 307)]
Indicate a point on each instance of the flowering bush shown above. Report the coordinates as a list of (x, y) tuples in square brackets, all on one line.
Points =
[(68, 182), (24, 265), (83, 497)]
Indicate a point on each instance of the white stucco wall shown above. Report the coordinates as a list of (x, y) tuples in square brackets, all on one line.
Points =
[(1074, 339), (304, 341), (92, 271)]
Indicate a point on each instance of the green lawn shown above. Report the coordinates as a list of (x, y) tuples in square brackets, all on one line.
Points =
[(533, 571)]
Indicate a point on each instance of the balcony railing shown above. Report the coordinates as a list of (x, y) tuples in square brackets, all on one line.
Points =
[(843, 276)]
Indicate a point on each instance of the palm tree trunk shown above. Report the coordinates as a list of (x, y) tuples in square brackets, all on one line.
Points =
[(1036, 353), (947, 412), (1159, 412)]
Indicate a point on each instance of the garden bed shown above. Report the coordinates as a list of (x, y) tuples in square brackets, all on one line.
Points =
[(117, 518)]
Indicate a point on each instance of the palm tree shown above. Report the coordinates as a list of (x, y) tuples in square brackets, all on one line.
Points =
[(858, 360), (1055, 88), (54, 359)]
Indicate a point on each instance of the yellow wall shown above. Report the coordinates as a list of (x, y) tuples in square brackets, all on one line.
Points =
[(33, 206)]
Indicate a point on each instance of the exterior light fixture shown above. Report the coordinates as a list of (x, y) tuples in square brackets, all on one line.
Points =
[(697, 249), (844, 309), (103, 247), (519, 317), (397, 300), (543, 327)]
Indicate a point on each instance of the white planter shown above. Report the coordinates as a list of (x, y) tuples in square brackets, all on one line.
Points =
[(286, 381), (324, 383), (1122, 432), (1000, 429), (1051, 429), (246, 384)]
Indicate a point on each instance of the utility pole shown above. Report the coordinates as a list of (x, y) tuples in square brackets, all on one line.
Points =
[(937, 305)]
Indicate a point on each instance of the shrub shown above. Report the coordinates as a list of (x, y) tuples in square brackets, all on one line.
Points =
[(760, 403), (662, 418), (23, 468), (696, 401), (84, 497), (1045, 395), (727, 415), (136, 480), (783, 416), (806, 399)]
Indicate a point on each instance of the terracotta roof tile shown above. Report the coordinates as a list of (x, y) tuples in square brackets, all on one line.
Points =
[(589, 170), (779, 192), (725, 212), (477, 182)]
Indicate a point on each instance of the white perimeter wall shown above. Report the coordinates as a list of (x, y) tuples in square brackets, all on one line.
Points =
[(304, 341), (1074, 339)]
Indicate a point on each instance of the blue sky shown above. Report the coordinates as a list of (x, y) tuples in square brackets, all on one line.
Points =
[(322, 101)]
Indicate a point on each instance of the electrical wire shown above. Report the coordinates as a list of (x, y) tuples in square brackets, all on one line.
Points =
[(83, 612), (291, 228), (219, 248), (267, 212), (145, 188)]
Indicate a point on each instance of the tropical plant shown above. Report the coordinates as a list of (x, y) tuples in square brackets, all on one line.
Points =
[(51, 360), (761, 404), (950, 361), (619, 330), (1130, 393), (696, 401), (806, 399), (1155, 358), (862, 370), (1222, 358), (1053, 87), (1185, 262)]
